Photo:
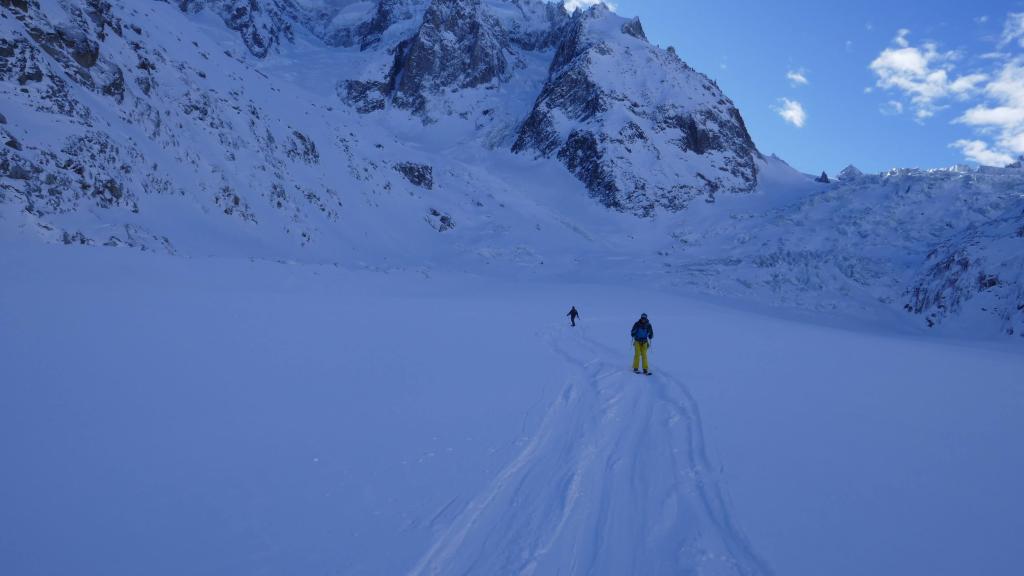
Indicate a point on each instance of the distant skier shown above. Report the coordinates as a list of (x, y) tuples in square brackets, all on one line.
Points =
[(573, 315), (642, 334)]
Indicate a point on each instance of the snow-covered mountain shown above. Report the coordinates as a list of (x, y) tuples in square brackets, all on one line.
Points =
[(935, 242), (533, 139), (635, 123)]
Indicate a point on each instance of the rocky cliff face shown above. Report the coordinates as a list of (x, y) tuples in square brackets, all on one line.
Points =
[(640, 128), (637, 125), (458, 46), (461, 59), (113, 111), (980, 269), (262, 24), (46, 65)]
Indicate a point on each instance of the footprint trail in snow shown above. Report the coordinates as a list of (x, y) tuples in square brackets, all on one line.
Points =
[(615, 481)]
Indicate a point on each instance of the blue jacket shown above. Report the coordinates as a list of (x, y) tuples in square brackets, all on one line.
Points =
[(642, 326)]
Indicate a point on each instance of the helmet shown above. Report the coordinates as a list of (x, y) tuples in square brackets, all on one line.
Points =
[(643, 316)]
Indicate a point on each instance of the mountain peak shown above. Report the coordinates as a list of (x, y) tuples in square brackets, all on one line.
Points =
[(637, 125), (851, 172), (635, 29)]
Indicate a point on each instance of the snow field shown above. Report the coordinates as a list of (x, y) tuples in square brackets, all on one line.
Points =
[(165, 415)]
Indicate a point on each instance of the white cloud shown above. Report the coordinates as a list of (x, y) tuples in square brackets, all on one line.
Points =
[(1002, 116), (927, 78), (979, 151), (998, 116), (901, 37), (791, 111), (572, 5), (797, 77), (1013, 30), (981, 19), (892, 108), (923, 73)]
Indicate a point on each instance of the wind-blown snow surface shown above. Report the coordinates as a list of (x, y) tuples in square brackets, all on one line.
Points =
[(165, 415)]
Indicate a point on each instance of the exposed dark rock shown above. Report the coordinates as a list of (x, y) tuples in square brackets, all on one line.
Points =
[(635, 29), (301, 147), (113, 83), (600, 146), (232, 204), (384, 16), (695, 137), (440, 221), (21, 5), (420, 175), (632, 133), (13, 143), (823, 179), (262, 24), (84, 50), (458, 45), (986, 281), (581, 155), (365, 97), (970, 264), (76, 238)]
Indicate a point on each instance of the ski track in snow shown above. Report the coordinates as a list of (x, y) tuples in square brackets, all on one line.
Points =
[(616, 480)]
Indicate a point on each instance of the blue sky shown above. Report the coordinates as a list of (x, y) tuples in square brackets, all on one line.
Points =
[(878, 84)]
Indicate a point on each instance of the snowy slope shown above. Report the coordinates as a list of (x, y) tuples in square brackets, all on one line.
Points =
[(167, 415)]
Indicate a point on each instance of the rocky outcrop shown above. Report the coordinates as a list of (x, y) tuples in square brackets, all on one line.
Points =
[(132, 120), (981, 268), (421, 175), (458, 46), (302, 148), (262, 24), (440, 221), (635, 29), (634, 123)]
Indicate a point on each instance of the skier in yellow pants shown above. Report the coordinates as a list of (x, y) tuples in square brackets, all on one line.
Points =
[(642, 334)]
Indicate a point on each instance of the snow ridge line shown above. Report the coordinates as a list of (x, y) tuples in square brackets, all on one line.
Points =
[(601, 487)]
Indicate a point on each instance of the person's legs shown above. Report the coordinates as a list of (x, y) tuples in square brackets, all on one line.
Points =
[(636, 355), (643, 354)]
